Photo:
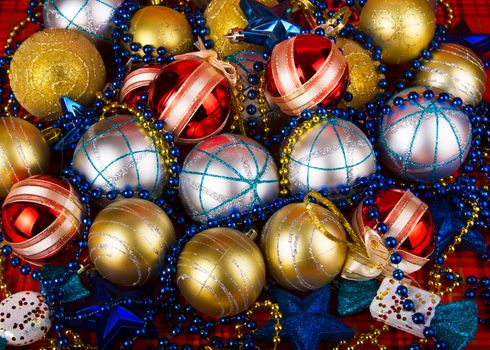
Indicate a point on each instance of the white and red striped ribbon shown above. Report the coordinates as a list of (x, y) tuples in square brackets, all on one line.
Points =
[(139, 78)]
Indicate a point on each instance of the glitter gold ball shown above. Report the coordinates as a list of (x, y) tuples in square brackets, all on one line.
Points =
[(23, 152), (298, 255), (363, 73), (456, 69), (402, 28), (224, 15), (128, 241), (221, 272), (161, 26), (54, 63)]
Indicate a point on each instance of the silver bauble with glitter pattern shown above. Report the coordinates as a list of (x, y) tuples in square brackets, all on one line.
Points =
[(332, 153), (225, 172), (425, 140)]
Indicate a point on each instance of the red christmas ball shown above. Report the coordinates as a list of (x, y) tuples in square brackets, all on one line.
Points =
[(193, 99), (304, 71), (40, 216), (137, 83)]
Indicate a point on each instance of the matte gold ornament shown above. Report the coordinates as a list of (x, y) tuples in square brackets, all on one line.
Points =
[(23, 152), (224, 15), (364, 76), (455, 69), (402, 28), (128, 241), (54, 63), (298, 255), (221, 272), (161, 26)]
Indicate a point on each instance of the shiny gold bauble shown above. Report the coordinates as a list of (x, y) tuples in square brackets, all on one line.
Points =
[(221, 272), (224, 15), (161, 26), (23, 152), (456, 69), (402, 28), (363, 73), (128, 241), (54, 63), (298, 255)]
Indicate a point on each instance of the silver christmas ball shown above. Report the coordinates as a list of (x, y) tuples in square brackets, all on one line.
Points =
[(224, 172), (116, 153), (425, 140), (91, 17), (332, 153)]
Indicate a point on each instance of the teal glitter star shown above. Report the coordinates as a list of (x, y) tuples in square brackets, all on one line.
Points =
[(355, 296), (72, 288)]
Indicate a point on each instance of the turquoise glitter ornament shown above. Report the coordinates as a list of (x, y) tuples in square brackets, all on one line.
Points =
[(226, 172), (423, 139), (355, 296)]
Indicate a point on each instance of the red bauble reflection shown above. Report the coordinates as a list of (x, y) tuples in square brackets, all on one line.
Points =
[(310, 53), (422, 239), (137, 83), (188, 92)]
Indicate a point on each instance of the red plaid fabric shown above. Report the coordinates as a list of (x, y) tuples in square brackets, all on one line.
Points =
[(477, 15)]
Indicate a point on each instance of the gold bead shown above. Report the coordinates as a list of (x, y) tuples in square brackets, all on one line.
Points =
[(276, 339), (278, 328)]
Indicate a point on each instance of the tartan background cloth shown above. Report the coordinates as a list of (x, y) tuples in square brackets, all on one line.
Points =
[(477, 15)]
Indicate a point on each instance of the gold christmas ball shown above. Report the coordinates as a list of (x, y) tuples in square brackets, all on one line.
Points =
[(402, 28), (128, 241), (161, 26), (221, 272), (54, 63), (224, 15), (23, 152), (298, 255), (455, 69), (363, 73)]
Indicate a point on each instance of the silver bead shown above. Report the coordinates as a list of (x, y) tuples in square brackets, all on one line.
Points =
[(224, 172), (116, 153), (332, 153)]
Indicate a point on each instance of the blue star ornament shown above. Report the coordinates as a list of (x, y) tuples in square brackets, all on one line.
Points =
[(267, 26), (71, 137), (461, 34), (448, 222), (306, 322)]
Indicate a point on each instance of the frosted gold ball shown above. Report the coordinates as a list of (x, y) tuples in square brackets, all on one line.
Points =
[(161, 26), (402, 28), (455, 69), (221, 272), (298, 255), (363, 73), (23, 152), (128, 241), (54, 63)]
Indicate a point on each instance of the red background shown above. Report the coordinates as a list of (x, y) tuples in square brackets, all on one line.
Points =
[(477, 15)]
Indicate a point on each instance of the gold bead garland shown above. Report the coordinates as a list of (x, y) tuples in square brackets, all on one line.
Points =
[(371, 337), (237, 101), (449, 12)]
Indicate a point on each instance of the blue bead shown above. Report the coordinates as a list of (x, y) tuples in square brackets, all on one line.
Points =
[(6, 250), (395, 258), (390, 242), (401, 290), (440, 345), (414, 346), (470, 294), (15, 261), (418, 318), (408, 305), (398, 274)]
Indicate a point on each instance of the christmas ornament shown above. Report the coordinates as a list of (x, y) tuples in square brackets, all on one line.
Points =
[(24, 318), (402, 28), (298, 255), (266, 26), (364, 76), (54, 63), (115, 153), (137, 83), (424, 140), (220, 272), (72, 288), (23, 152), (408, 220), (332, 153), (304, 71), (128, 241), (192, 95), (227, 172), (455, 69), (40, 216), (221, 17), (355, 296), (306, 322), (161, 26), (90, 17), (69, 141), (461, 34)]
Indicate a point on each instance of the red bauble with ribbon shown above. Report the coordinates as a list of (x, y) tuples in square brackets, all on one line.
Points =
[(137, 83), (192, 96), (41, 215), (304, 71)]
